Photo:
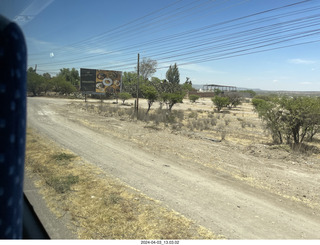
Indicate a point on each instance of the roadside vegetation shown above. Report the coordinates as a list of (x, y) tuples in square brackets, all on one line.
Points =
[(113, 210), (110, 210), (66, 82), (168, 91), (290, 120), (277, 120)]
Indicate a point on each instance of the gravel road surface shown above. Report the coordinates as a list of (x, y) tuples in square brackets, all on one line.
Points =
[(223, 204)]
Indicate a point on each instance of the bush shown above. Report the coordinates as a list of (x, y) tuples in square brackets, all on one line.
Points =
[(193, 98), (60, 85), (34, 82), (220, 102), (151, 94), (124, 96), (172, 98), (289, 118), (234, 99)]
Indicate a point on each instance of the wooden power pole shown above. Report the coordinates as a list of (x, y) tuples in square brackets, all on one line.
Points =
[(137, 104)]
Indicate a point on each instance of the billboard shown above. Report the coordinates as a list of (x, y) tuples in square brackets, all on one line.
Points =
[(100, 81)]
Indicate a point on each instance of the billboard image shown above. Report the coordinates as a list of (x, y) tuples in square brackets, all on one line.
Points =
[(100, 81)]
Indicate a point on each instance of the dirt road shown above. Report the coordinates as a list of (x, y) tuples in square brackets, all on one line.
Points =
[(213, 198)]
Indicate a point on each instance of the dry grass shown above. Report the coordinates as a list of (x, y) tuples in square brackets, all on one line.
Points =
[(100, 206), (239, 124)]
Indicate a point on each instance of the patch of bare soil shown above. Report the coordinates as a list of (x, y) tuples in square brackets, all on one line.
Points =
[(110, 210), (233, 142)]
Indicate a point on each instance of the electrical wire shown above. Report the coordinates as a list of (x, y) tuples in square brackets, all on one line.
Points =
[(207, 44)]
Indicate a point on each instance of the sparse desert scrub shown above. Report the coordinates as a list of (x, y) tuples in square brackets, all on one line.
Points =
[(241, 122)]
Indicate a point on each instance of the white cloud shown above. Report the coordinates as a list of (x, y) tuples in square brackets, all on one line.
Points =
[(199, 68), (38, 45), (306, 83), (101, 51), (97, 51), (301, 61)]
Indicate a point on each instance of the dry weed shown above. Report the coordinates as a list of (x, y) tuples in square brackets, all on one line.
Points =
[(100, 206)]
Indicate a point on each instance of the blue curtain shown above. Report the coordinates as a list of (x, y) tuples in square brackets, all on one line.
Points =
[(13, 68)]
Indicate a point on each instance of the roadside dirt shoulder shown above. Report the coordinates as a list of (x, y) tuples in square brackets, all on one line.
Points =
[(232, 187)]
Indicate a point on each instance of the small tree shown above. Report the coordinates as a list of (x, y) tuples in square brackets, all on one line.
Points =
[(171, 99), (47, 83), (217, 92), (291, 118), (34, 82), (124, 96), (147, 68), (270, 113), (248, 93), (234, 99), (300, 115), (173, 75), (60, 85), (129, 83), (187, 85), (71, 76), (193, 98), (151, 94), (220, 102)]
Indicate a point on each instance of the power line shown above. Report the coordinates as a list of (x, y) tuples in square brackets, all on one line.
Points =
[(212, 46), (95, 40), (268, 30)]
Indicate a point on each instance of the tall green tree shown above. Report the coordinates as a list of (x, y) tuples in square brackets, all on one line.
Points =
[(60, 85), (172, 92), (173, 75), (47, 84), (187, 85), (147, 68), (71, 76), (129, 83), (34, 82)]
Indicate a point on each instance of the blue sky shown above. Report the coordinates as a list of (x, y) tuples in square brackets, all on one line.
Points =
[(265, 44)]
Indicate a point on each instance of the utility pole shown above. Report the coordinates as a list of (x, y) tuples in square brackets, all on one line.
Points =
[(137, 104)]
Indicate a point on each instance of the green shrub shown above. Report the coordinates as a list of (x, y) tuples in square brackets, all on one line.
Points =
[(220, 102), (62, 184), (193, 98), (289, 119), (124, 96)]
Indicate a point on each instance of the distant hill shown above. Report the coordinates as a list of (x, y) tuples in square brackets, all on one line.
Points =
[(280, 92), (200, 86)]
